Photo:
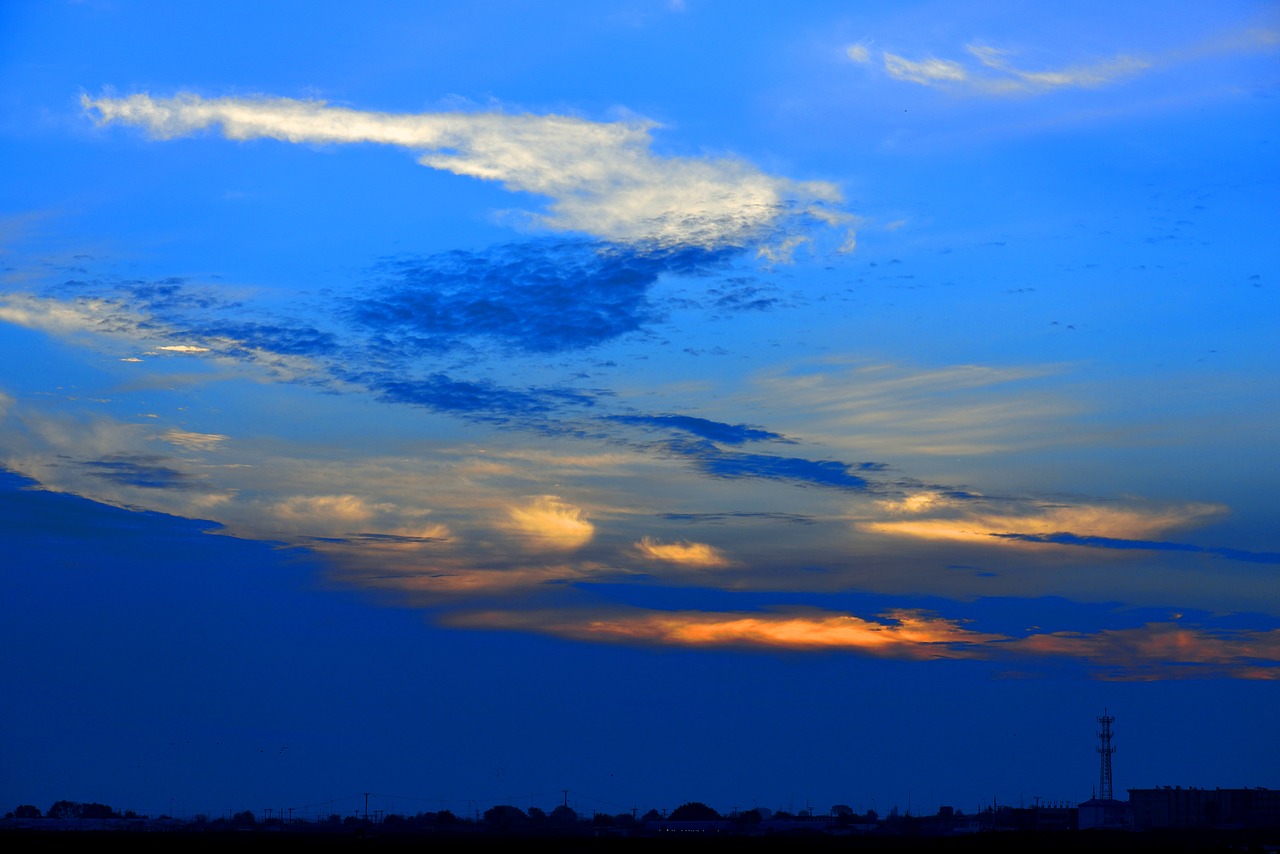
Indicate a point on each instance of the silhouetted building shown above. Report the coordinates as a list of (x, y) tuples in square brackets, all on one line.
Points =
[(1104, 814), (1174, 806)]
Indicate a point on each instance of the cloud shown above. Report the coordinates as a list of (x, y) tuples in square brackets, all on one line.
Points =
[(602, 178), (926, 71), (1152, 651), (193, 441), (1165, 651), (893, 409), (182, 348), (954, 519), (537, 296), (1082, 76), (549, 523), (479, 400), (1063, 538), (727, 464), (683, 553), (714, 431), (314, 513), (898, 634), (139, 470), (996, 75)]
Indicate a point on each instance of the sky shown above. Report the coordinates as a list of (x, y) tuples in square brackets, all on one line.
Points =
[(662, 401)]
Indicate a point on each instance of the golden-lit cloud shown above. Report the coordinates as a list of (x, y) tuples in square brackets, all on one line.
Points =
[(958, 522), (683, 553), (901, 634), (326, 513), (549, 523)]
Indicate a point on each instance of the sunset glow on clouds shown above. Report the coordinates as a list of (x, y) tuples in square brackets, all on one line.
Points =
[(834, 345)]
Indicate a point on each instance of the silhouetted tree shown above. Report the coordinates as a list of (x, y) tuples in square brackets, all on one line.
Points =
[(841, 810), (537, 816), (445, 818), (64, 809), (26, 811), (750, 818), (245, 818), (97, 811), (505, 817), (694, 811), (563, 816), (651, 815)]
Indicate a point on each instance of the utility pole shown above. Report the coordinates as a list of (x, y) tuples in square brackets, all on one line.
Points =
[(366, 806)]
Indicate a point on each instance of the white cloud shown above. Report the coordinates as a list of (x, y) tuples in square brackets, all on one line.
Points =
[(1083, 76), (995, 72), (602, 178), (926, 71)]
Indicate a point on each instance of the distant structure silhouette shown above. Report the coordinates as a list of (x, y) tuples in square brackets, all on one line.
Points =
[(1105, 789), (1103, 810)]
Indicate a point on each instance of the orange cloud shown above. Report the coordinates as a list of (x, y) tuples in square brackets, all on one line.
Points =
[(903, 634), (549, 523), (683, 553)]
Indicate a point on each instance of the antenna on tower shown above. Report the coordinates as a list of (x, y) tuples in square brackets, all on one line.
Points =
[(1105, 791)]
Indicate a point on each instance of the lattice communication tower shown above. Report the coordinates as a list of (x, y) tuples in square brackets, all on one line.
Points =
[(1105, 791)]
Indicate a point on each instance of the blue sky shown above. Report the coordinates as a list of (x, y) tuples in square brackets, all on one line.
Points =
[(475, 401)]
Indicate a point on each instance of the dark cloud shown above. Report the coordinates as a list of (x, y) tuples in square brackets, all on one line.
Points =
[(300, 340), (715, 431), (479, 400), (144, 470), (727, 464), (540, 296), (1069, 539), (741, 294)]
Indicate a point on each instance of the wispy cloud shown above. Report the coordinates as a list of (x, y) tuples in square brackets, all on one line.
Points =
[(993, 71), (602, 178), (995, 74)]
